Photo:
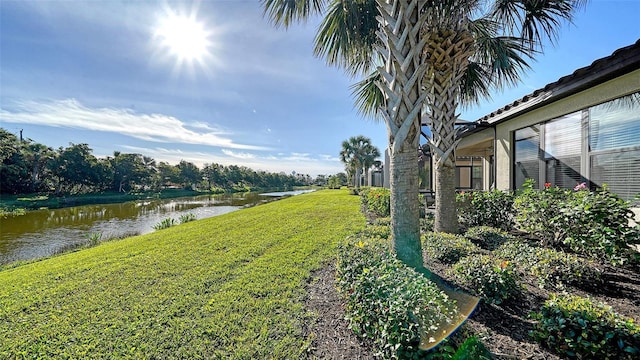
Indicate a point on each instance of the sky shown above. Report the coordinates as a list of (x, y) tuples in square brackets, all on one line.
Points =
[(215, 82)]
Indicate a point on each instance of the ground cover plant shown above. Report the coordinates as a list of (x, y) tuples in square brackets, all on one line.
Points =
[(231, 286), (518, 275)]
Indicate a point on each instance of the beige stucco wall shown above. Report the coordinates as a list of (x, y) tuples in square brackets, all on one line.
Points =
[(609, 90)]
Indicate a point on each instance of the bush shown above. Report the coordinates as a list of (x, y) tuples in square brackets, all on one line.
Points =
[(377, 201), (487, 237), (486, 208), (185, 218), (578, 327), (378, 231), (426, 223), (164, 224), (447, 248), (595, 224), (387, 301), (493, 279), (537, 212), (550, 267)]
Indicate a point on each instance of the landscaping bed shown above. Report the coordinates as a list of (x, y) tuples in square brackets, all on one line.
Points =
[(566, 284)]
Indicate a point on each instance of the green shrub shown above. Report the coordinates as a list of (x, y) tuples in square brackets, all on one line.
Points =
[(388, 302), (377, 201), (550, 267), (426, 223), (537, 211), (486, 208), (487, 237), (595, 224), (447, 248), (578, 327), (556, 269), (382, 221), (164, 224), (494, 279), (94, 238), (377, 231)]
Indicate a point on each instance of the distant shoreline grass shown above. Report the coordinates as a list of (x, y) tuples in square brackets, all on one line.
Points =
[(230, 286)]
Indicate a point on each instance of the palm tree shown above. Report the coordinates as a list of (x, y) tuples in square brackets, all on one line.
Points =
[(358, 154), (431, 56)]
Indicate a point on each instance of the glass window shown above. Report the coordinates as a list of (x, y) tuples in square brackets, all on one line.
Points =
[(562, 149), (526, 153), (620, 171), (615, 124)]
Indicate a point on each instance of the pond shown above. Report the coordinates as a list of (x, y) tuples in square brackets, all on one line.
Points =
[(45, 232)]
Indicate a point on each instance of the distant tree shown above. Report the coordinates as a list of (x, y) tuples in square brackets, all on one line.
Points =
[(14, 169), (75, 169), (189, 174), (129, 170), (168, 174), (358, 155)]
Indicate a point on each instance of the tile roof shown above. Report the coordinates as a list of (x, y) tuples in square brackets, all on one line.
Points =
[(620, 62)]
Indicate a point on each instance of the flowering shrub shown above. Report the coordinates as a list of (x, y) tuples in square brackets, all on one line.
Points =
[(387, 301), (486, 208), (595, 224), (494, 279), (447, 248), (487, 237), (537, 212), (578, 327), (376, 201)]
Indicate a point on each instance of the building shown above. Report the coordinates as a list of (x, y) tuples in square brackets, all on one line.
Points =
[(584, 127)]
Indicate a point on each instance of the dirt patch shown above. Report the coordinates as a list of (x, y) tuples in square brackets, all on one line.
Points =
[(332, 338)]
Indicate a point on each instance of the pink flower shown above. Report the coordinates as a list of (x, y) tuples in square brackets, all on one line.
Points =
[(547, 185), (581, 186)]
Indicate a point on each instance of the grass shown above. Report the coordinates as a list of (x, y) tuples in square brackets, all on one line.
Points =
[(230, 286)]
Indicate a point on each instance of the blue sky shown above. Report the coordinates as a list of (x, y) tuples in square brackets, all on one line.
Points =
[(101, 72)]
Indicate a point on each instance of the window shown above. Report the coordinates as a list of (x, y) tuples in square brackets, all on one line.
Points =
[(600, 145), (614, 145), (562, 150), (527, 158), (469, 173)]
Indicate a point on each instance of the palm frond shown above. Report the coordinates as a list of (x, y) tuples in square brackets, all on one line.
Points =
[(535, 20), (285, 12), (347, 34), (368, 96)]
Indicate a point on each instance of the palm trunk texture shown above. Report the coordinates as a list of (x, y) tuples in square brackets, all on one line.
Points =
[(447, 53), (400, 33)]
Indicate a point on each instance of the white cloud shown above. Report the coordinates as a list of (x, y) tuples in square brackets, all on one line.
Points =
[(149, 127), (238, 155)]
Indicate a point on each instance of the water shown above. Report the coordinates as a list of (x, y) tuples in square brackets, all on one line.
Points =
[(44, 232)]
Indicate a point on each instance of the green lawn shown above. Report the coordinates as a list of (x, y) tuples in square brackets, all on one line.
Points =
[(230, 286)]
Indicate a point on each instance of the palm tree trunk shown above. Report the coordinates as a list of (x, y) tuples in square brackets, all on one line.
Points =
[(405, 212), (400, 33), (447, 53)]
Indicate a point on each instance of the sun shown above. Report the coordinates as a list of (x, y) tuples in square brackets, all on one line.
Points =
[(184, 39)]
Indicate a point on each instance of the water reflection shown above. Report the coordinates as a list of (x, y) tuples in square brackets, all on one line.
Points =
[(41, 233)]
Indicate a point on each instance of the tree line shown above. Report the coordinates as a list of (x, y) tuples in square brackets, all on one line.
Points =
[(30, 167)]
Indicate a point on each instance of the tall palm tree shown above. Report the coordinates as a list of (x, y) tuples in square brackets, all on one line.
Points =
[(358, 154), (430, 56)]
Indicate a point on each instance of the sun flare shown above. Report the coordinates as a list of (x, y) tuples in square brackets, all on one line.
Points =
[(184, 39)]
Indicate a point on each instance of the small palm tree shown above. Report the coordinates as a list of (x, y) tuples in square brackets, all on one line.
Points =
[(358, 154)]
